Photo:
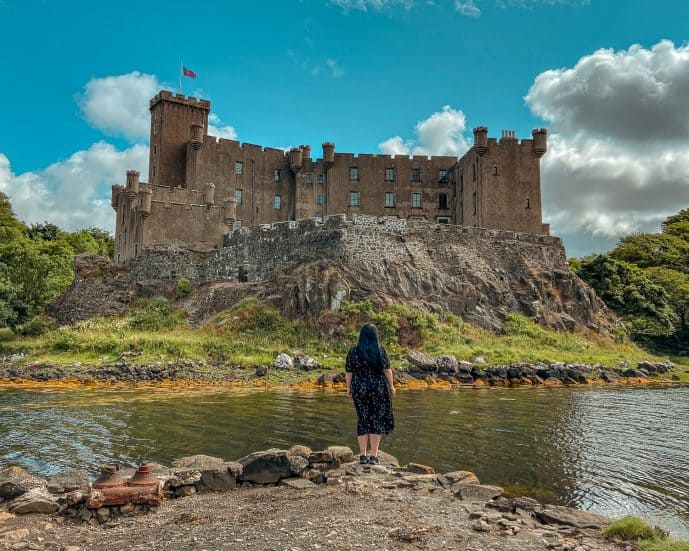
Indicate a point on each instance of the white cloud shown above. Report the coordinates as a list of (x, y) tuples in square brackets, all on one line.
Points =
[(118, 105), (440, 134), (618, 158), (217, 129), (329, 67), (468, 8), (335, 70), (74, 193), (376, 5)]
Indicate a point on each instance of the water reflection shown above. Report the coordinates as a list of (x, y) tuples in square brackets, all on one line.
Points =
[(613, 451)]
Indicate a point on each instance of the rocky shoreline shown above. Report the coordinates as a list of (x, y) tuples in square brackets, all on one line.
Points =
[(419, 370), (286, 499)]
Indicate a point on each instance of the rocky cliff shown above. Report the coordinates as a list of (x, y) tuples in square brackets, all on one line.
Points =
[(308, 267)]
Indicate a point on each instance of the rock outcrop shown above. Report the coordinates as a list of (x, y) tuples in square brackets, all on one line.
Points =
[(306, 268)]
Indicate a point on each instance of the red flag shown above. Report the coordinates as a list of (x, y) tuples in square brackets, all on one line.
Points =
[(188, 73)]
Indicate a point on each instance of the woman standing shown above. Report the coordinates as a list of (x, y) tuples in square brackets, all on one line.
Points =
[(369, 383)]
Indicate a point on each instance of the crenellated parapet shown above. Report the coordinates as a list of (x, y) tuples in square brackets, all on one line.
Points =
[(179, 99)]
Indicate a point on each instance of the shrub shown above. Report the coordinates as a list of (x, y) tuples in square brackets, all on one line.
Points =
[(154, 314), (183, 287), (632, 528), (664, 545), (35, 327)]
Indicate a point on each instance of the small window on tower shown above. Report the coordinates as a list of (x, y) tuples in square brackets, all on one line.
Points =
[(354, 198), (416, 175), (353, 174), (238, 194), (155, 148), (238, 168), (154, 170), (277, 174), (320, 199), (474, 201), (320, 178), (416, 200), (277, 202), (495, 171), (527, 203), (309, 178), (442, 201), (389, 199), (442, 176), (389, 174)]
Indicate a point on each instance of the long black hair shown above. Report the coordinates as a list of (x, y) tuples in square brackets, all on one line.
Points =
[(370, 348)]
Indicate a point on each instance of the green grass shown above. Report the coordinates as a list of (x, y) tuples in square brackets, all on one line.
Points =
[(251, 334), (647, 538)]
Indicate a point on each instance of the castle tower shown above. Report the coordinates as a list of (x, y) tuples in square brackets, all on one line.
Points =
[(176, 121)]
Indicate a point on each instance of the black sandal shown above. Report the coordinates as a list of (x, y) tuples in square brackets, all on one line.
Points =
[(373, 460), (363, 460)]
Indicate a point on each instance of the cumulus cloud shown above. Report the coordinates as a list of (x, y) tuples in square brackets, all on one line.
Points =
[(618, 158), (468, 8), (118, 105), (442, 133), (217, 129), (74, 193)]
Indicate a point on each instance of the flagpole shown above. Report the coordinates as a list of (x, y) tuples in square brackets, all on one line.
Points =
[(180, 76)]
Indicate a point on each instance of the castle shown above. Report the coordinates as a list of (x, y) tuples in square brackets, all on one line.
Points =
[(202, 188)]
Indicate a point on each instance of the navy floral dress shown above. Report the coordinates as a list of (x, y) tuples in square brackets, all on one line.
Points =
[(370, 393)]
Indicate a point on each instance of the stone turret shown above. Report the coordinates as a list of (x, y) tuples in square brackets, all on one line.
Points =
[(230, 211), (540, 141), (295, 159), (145, 195), (329, 153), (132, 184), (209, 195), (481, 140), (115, 197), (196, 135)]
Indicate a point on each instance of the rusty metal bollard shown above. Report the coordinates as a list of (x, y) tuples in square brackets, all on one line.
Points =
[(110, 489)]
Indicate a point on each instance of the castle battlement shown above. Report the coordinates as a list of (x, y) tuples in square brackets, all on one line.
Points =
[(203, 188)]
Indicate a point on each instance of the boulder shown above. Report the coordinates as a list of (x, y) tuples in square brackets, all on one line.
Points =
[(447, 364), (305, 363), (557, 514), (339, 378), (466, 367), (266, 467), (422, 361), (298, 464), (387, 459), (36, 500), (298, 449), (68, 482), (324, 456), (419, 468), (609, 376), (261, 371), (297, 483), (217, 480), (202, 462), (183, 477), (325, 378), (15, 481), (629, 373), (458, 478), (478, 492), (283, 361), (341, 454)]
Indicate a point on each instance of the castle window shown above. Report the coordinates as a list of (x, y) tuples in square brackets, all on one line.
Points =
[(389, 199), (238, 196), (474, 200), (475, 167), (461, 183), (136, 249), (416, 200), (154, 170), (239, 168), (495, 171), (320, 178), (443, 220), (442, 201), (389, 174), (416, 175), (277, 202), (155, 148), (354, 200), (320, 199), (277, 175), (309, 178), (353, 174), (442, 176), (527, 203)]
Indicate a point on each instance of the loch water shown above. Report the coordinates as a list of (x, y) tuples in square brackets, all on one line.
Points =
[(611, 450)]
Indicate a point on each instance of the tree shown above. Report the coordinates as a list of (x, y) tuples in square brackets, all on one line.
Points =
[(654, 249), (629, 291)]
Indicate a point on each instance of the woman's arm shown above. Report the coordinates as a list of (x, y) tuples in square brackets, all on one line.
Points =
[(348, 378), (388, 377)]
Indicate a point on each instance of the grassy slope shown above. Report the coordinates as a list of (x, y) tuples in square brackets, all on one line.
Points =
[(252, 334)]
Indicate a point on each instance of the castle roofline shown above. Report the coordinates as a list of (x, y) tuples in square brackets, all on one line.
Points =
[(191, 101)]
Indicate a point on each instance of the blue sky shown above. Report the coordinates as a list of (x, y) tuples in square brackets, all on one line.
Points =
[(360, 73)]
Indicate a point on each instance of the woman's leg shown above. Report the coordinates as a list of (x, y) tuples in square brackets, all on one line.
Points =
[(363, 443), (375, 442)]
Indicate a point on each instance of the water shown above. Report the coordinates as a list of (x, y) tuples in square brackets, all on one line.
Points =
[(614, 451)]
